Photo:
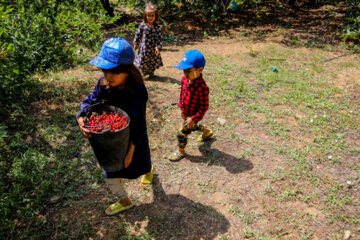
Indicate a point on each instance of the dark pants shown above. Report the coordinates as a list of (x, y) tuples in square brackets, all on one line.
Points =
[(183, 132)]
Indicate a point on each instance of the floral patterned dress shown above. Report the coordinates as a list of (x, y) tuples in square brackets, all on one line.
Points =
[(149, 38)]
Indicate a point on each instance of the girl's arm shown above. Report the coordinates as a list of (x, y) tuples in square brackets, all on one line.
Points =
[(137, 36), (90, 99), (129, 155), (158, 39)]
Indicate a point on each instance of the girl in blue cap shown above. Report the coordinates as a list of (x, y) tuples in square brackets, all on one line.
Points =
[(148, 42), (122, 86)]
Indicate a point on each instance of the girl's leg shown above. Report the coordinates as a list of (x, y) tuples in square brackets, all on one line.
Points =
[(117, 187), (147, 179)]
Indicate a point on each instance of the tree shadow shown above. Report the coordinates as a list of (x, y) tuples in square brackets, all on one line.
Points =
[(302, 26), (212, 156), (173, 216), (169, 50), (158, 78)]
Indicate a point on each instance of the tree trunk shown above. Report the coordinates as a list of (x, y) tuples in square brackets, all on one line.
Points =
[(107, 7)]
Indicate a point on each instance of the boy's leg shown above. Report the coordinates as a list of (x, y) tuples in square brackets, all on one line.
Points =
[(181, 135), (117, 187), (206, 133)]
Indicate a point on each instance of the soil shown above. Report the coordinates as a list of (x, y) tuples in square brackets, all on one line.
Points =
[(212, 193)]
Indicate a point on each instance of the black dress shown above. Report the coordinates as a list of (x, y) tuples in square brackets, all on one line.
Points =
[(133, 101)]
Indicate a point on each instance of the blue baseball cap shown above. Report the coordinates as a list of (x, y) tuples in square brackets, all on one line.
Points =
[(114, 52), (192, 58)]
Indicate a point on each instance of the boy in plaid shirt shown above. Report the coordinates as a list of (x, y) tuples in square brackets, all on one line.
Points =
[(193, 102)]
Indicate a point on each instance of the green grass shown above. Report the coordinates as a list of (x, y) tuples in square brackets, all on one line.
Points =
[(327, 122), (320, 117)]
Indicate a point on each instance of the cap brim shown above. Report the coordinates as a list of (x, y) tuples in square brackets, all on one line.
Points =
[(102, 63), (182, 66)]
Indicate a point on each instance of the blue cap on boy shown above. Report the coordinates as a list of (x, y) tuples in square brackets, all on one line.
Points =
[(192, 58), (114, 52)]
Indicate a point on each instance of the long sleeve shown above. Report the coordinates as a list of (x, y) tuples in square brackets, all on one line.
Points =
[(204, 104), (181, 94), (90, 99), (158, 38), (137, 37)]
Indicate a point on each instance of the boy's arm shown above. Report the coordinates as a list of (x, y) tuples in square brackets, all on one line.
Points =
[(204, 104), (181, 94)]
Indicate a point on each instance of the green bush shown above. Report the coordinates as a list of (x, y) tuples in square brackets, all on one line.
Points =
[(38, 35), (351, 29)]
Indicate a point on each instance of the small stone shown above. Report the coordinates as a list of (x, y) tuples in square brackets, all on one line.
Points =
[(330, 157), (221, 121), (55, 199), (347, 235), (349, 184)]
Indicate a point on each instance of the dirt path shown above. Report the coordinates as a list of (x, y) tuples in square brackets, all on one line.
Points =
[(239, 185)]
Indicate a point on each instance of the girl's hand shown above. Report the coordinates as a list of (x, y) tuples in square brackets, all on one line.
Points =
[(189, 123), (128, 160), (157, 51), (135, 47), (129, 155), (84, 130)]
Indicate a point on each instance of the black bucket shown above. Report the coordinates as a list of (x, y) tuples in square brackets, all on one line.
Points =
[(110, 148)]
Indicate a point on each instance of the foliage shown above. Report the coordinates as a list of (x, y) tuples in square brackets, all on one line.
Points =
[(35, 36), (351, 29), (38, 35)]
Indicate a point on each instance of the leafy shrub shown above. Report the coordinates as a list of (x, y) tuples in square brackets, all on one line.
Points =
[(32, 179), (38, 35), (351, 29)]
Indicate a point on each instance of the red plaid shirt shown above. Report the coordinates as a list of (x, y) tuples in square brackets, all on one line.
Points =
[(194, 98)]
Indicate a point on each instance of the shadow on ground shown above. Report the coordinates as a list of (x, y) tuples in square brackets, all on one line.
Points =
[(213, 156), (173, 216), (158, 78), (303, 26)]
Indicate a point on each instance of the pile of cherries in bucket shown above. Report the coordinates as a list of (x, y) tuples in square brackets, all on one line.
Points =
[(101, 123)]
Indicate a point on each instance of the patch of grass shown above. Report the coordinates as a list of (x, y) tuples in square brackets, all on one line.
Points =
[(246, 218)]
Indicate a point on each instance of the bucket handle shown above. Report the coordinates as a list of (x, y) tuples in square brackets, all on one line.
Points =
[(101, 127), (100, 102)]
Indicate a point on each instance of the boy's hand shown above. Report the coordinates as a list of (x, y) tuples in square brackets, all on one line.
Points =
[(84, 130), (135, 47), (157, 51), (189, 123)]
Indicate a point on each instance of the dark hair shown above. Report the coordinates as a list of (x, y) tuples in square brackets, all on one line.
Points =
[(153, 8), (134, 77)]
